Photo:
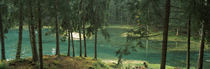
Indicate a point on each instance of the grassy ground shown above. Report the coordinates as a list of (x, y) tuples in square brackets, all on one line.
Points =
[(56, 62), (134, 64), (178, 43), (64, 62)]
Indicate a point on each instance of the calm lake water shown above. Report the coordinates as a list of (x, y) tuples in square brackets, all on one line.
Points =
[(106, 49)]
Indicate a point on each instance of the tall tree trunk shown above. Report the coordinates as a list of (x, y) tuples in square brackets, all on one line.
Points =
[(80, 42), (84, 37), (119, 59), (57, 35), (40, 35), (57, 39), (165, 35), (203, 33), (201, 51), (34, 48), (188, 43), (32, 35), (147, 43), (96, 44), (177, 32), (69, 36), (18, 53), (2, 39), (72, 42), (33, 43)]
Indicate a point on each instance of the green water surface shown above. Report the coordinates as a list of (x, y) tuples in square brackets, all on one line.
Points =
[(106, 49)]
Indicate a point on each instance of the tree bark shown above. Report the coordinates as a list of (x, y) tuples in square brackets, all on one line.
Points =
[(147, 43), (80, 42), (68, 54), (84, 37), (188, 43), (33, 43), (72, 42), (203, 34), (96, 44), (40, 35), (57, 35), (57, 39), (201, 51), (32, 36), (177, 32), (80, 8), (165, 35), (18, 53), (2, 39)]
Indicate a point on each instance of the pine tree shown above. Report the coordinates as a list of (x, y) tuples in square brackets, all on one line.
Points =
[(40, 35), (32, 33), (165, 35), (57, 29), (18, 54), (2, 39)]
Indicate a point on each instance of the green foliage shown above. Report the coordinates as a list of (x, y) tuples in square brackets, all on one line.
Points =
[(3, 66)]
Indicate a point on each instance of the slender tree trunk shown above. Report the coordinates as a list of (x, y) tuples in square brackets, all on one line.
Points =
[(80, 42), (33, 45), (57, 39), (177, 32), (69, 43), (57, 35), (203, 34), (20, 32), (176, 43), (2, 39), (84, 37), (40, 35), (96, 44), (165, 35), (147, 44), (34, 42), (188, 43), (32, 36), (119, 60), (72, 42), (201, 52)]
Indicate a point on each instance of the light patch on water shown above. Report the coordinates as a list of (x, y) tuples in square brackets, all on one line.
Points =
[(76, 36), (24, 52), (130, 34), (9, 59), (124, 35), (207, 60), (36, 32), (53, 50)]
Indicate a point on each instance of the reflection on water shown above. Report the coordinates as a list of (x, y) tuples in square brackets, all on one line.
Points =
[(106, 49), (207, 60), (75, 35), (53, 50)]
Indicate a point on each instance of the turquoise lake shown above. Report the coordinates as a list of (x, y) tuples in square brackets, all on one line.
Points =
[(106, 49)]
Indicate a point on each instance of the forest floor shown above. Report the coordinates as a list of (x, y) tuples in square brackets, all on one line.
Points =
[(58, 62), (65, 62)]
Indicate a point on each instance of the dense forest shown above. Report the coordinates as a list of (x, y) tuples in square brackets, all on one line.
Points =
[(105, 34)]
